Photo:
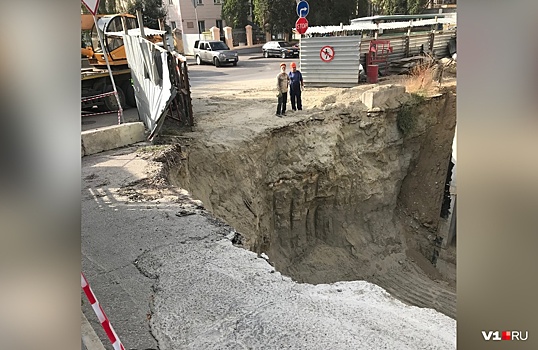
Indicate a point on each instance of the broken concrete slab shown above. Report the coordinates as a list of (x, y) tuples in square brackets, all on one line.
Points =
[(111, 137), (383, 97)]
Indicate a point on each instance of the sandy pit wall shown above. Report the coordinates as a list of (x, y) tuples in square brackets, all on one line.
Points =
[(332, 195)]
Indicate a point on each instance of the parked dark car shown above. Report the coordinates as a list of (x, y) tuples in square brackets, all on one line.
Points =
[(281, 49)]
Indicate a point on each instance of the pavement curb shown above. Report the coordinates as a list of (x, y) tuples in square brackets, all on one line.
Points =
[(111, 137), (90, 340)]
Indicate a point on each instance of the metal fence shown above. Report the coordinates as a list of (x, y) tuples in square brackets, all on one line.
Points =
[(417, 43), (160, 82), (352, 50), (343, 68), (440, 44), (239, 36)]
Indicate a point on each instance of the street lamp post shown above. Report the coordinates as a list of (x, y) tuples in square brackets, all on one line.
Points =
[(197, 23)]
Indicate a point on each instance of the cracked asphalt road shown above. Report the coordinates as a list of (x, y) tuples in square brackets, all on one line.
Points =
[(169, 280), (115, 232)]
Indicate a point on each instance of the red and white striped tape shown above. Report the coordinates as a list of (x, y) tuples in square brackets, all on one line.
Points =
[(96, 97), (98, 113), (116, 343)]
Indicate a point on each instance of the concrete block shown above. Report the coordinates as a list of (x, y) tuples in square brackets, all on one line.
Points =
[(104, 139), (389, 96)]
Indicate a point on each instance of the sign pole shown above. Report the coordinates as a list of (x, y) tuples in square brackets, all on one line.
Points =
[(105, 54)]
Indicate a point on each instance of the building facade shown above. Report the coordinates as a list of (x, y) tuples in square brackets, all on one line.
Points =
[(190, 20)]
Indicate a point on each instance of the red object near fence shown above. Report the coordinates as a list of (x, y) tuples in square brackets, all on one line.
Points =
[(378, 54), (372, 72)]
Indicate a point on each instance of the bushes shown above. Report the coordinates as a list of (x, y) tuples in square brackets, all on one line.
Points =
[(408, 114)]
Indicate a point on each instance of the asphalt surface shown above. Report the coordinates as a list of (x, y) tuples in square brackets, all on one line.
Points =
[(168, 277), (249, 69), (169, 281)]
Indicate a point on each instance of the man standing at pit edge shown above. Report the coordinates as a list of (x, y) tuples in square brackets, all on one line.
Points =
[(282, 81), (296, 85)]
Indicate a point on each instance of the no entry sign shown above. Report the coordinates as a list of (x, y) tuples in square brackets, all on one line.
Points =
[(301, 25), (326, 53)]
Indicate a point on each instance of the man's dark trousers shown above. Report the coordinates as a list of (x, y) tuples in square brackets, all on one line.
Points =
[(295, 98), (282, 100)]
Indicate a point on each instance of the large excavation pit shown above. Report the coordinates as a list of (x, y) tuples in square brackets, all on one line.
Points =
[(350, 189)]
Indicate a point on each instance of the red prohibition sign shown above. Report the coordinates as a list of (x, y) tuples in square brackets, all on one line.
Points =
[(326, 53)]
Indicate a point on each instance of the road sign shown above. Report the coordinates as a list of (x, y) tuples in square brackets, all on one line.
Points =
[(91, 5), (301, 25), (302, 8), (326, 53)]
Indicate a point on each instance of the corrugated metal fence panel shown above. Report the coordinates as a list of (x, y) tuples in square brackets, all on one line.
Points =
[(151, 78), (415, 42), (365, 46), (440, 45), (398, 49), (344, 67), (350, 51)]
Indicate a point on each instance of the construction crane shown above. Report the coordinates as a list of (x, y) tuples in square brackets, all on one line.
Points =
[(96, 79)]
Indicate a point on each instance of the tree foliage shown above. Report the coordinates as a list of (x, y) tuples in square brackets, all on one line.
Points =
[(152, 11), (105, 7), (400, 7), (280, 15), (235, 12), (275, 15), (331, 12), (363, 8)]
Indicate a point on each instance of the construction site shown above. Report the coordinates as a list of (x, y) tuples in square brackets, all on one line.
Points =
[(212, 224)]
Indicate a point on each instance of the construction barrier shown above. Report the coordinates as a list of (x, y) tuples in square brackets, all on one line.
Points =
[(112, 336), (96, 97)]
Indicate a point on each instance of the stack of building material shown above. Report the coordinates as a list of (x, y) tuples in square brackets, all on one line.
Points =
[(406, 65)]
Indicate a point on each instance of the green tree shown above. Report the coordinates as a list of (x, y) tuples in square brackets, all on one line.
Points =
[(331, 12), (415, 7), (152, 11), (400, 7), (363, 8), (235, 12), (107, 7), (275, 16)]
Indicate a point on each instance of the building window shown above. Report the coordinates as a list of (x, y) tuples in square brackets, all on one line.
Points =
[(173, 24), (199, 2), (201, 26), (170, 2), (190, 24), (217, 2)]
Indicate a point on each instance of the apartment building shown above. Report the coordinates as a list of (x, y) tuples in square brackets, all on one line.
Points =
[(183, 15), (193, 21)]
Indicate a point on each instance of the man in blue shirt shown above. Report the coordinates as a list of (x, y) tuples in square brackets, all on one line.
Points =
[(296, 85)]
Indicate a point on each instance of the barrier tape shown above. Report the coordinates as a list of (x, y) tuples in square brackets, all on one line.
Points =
[(120, 113), (98, 113), (96, 97), (112, 336)]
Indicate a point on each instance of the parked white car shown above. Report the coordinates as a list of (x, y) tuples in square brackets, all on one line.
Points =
[(215, 52)]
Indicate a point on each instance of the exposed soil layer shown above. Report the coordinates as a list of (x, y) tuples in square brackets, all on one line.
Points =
[(337, 192)]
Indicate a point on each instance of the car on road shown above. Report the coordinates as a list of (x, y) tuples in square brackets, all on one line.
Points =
[(215, 52), (280, 49)]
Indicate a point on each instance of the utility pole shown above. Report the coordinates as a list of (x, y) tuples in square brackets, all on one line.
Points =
[(197, 23)]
